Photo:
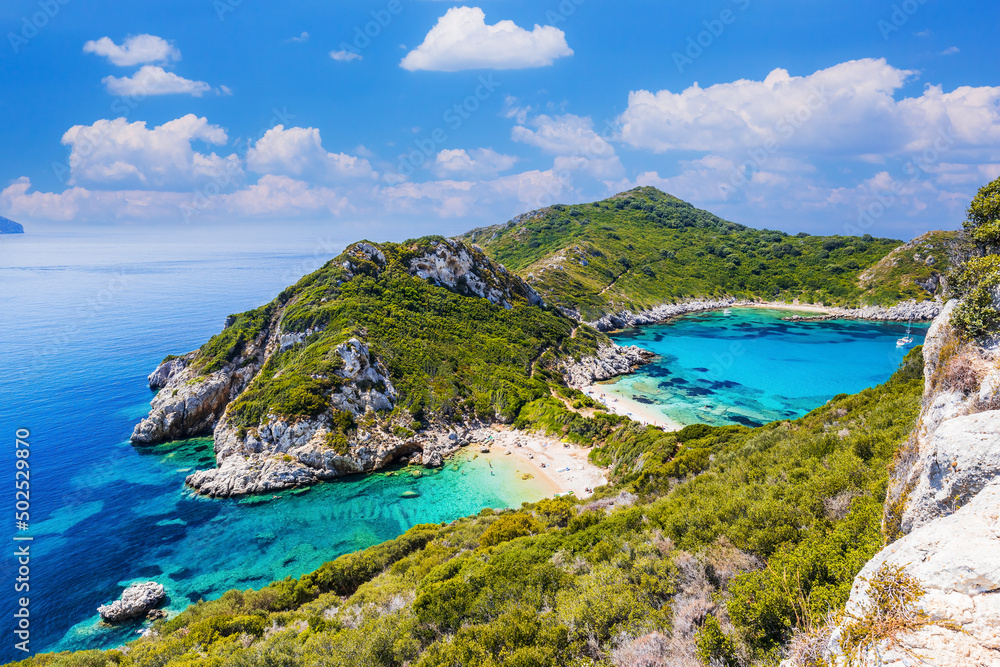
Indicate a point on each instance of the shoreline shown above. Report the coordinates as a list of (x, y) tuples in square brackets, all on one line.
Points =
[(922, 311), (626, 407), (545, 457)]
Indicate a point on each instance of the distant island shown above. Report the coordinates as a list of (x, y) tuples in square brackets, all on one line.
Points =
[(8, 226)]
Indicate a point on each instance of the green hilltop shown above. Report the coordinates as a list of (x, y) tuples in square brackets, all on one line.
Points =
[(644, 248), (713, 544)]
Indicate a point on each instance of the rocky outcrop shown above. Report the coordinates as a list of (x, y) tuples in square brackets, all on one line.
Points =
[(469, 271), (137, 600), (626, 319), (918, 311), (962, 457), (189, 406), (611, 361), (957, 560), (953, 452), (283, 453), (943, 510)]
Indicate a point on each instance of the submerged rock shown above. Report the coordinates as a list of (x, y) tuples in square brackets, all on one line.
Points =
[(137, 600)]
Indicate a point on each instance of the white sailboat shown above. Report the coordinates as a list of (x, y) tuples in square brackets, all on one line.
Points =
[(907, 339)]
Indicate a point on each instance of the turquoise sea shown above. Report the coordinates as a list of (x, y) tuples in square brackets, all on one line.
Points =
[(83, 319), (752, 367)]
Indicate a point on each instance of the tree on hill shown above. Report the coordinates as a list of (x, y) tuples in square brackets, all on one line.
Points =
[(977, 280)]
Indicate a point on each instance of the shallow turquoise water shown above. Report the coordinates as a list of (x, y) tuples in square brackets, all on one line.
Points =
[(200, 548), (751, 367), (83, 319)]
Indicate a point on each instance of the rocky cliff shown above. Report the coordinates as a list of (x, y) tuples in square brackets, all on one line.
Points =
[(942, 515), (294, 392), (610, 361), (626, 319)]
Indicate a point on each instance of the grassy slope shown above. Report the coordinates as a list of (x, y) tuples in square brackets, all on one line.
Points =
[(449, 356), (899, 275), (557, 583), (644, 247)]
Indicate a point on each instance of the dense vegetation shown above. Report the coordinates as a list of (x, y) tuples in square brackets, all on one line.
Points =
[(644, 248), (724, 565), (916, 270), (450, 356), (977, 278)]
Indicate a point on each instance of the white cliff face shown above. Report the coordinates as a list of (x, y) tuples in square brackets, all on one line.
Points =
[(945, 497), (961, 458), (611, 361), (957, 560), (954, 451), (187, 406), (283, 452), (456, 267), (367, 384)]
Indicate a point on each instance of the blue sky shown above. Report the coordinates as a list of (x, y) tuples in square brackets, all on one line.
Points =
[(844, 116)]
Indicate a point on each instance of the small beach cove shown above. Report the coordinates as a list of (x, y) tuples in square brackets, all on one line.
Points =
[(749, 365)]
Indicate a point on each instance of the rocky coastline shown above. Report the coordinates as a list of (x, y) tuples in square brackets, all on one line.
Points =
[(282, 452), (941, 513), (139, 599), (922, 311), (627, 319), (610, 362)]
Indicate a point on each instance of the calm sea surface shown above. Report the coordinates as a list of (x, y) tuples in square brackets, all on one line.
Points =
[(751, 367), (83, 319)]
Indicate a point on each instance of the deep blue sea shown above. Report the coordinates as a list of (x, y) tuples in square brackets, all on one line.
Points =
[(84, 318), (752, 367)]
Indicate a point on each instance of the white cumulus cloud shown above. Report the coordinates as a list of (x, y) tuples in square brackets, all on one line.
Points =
[(154, 80), (563, 135), (135, 50), (299, 152), (462, 40), (119, 154), (478, 162), (847, 109)]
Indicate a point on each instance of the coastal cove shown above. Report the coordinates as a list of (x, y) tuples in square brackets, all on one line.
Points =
[(751, 366), (88, 318), (112, 513)]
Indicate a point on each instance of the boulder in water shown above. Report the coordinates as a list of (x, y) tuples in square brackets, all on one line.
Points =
[(137, 600)]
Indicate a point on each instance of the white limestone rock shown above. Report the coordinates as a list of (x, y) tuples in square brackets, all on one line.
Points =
[(962, 457), (957, 560), (135, 601), (467, 270), (611, 361)]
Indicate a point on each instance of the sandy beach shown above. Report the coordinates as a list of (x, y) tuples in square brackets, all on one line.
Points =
[(781, 305), (562, 465), (622, 405)]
